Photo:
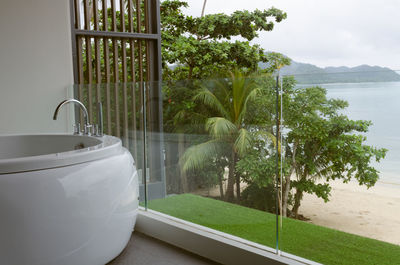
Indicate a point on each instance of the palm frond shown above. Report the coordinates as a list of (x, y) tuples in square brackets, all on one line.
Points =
[(220, 128), (251, 96), (182, 123), (206, 97), (243, 141), (196, 156)]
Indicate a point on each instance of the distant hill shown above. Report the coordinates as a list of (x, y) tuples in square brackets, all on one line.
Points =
[(311, 74)]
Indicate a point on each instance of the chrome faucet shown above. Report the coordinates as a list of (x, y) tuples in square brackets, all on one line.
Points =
[(87, 130)]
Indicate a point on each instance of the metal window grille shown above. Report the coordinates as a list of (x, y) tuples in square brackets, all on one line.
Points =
[(117, 61)]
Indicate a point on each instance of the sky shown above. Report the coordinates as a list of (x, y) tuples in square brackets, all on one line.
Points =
[(325, 32)]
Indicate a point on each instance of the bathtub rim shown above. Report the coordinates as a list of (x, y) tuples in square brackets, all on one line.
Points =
[(109, 146)]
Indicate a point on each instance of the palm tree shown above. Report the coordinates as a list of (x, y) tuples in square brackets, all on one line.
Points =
[(229, 136)]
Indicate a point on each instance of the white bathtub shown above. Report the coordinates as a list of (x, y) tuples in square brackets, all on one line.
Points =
[(59, 205)]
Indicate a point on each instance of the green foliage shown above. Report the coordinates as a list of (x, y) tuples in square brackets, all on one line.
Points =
[(201, 47), (309, 186), (258, 166), (260, 198), (329, 145)]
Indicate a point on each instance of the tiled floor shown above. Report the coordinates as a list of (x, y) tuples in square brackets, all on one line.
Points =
[(144, 250)]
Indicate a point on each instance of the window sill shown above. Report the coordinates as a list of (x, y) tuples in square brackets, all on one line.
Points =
[(209, 243)]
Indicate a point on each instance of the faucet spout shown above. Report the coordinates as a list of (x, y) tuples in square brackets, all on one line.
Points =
[(84, 110)]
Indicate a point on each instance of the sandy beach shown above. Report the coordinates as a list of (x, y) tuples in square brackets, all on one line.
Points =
[(373, 213)]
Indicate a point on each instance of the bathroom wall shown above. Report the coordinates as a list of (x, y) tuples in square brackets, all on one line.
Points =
[(35, 65)]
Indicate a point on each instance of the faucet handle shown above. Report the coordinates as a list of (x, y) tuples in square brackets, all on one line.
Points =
[(88, 129), (77, 129), (96, 130)]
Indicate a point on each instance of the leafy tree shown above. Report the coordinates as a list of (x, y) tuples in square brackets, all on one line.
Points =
[(257, 169), (201, 47), (324, 144), (319, 144)]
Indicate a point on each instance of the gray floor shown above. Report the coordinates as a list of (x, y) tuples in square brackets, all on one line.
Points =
[(145, 250)]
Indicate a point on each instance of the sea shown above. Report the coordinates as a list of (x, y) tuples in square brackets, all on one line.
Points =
[(378, 102)]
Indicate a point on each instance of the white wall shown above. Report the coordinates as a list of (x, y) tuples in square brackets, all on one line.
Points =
[(35, 65)]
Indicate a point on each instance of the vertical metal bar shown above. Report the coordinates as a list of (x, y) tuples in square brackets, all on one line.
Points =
[(277, 165), (124, 75), (116, 88), (87, 14), (107, 67), (147, 17), (125, 120), (148, 102), (140, 71), (105, 15), (130, 16), (133, 91), (138, 17), (97, 51), (75, 16), (125, 95), (88, 43), (155, 57), (80, 95), (80, 77), (139, 30), (108, 102), (107, 77), (133, 146), (74, 13), (281, 154), (96, 14), (134, 129), (113, 16), (148, 87), (116, 68), (122, 14), (144, 145)]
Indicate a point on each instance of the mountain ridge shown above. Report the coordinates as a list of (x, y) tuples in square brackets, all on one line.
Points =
[(306, 73)]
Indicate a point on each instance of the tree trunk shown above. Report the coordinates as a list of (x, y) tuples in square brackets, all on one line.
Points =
[(220, 173), (204, 8), (181, 151), (286, 193), (190, 72), (238, 188), (221, 186), (237, 177), (231, 179), (297, 200), (287, 182)]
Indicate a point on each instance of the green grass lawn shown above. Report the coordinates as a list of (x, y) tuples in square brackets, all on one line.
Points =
[(303, 239)]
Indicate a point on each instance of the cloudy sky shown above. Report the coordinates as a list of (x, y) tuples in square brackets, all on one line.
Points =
[(326, 32)]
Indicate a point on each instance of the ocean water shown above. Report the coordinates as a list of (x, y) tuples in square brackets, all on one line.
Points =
[(379, 103)]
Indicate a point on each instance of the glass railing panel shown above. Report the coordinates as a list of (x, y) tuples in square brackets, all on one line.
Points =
[(219, 151), (341, 156), (123, 116)]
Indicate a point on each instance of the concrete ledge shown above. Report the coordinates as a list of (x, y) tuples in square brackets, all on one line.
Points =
[(209, 243)]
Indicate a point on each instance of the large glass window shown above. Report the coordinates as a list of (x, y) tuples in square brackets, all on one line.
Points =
[(303, 164)]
